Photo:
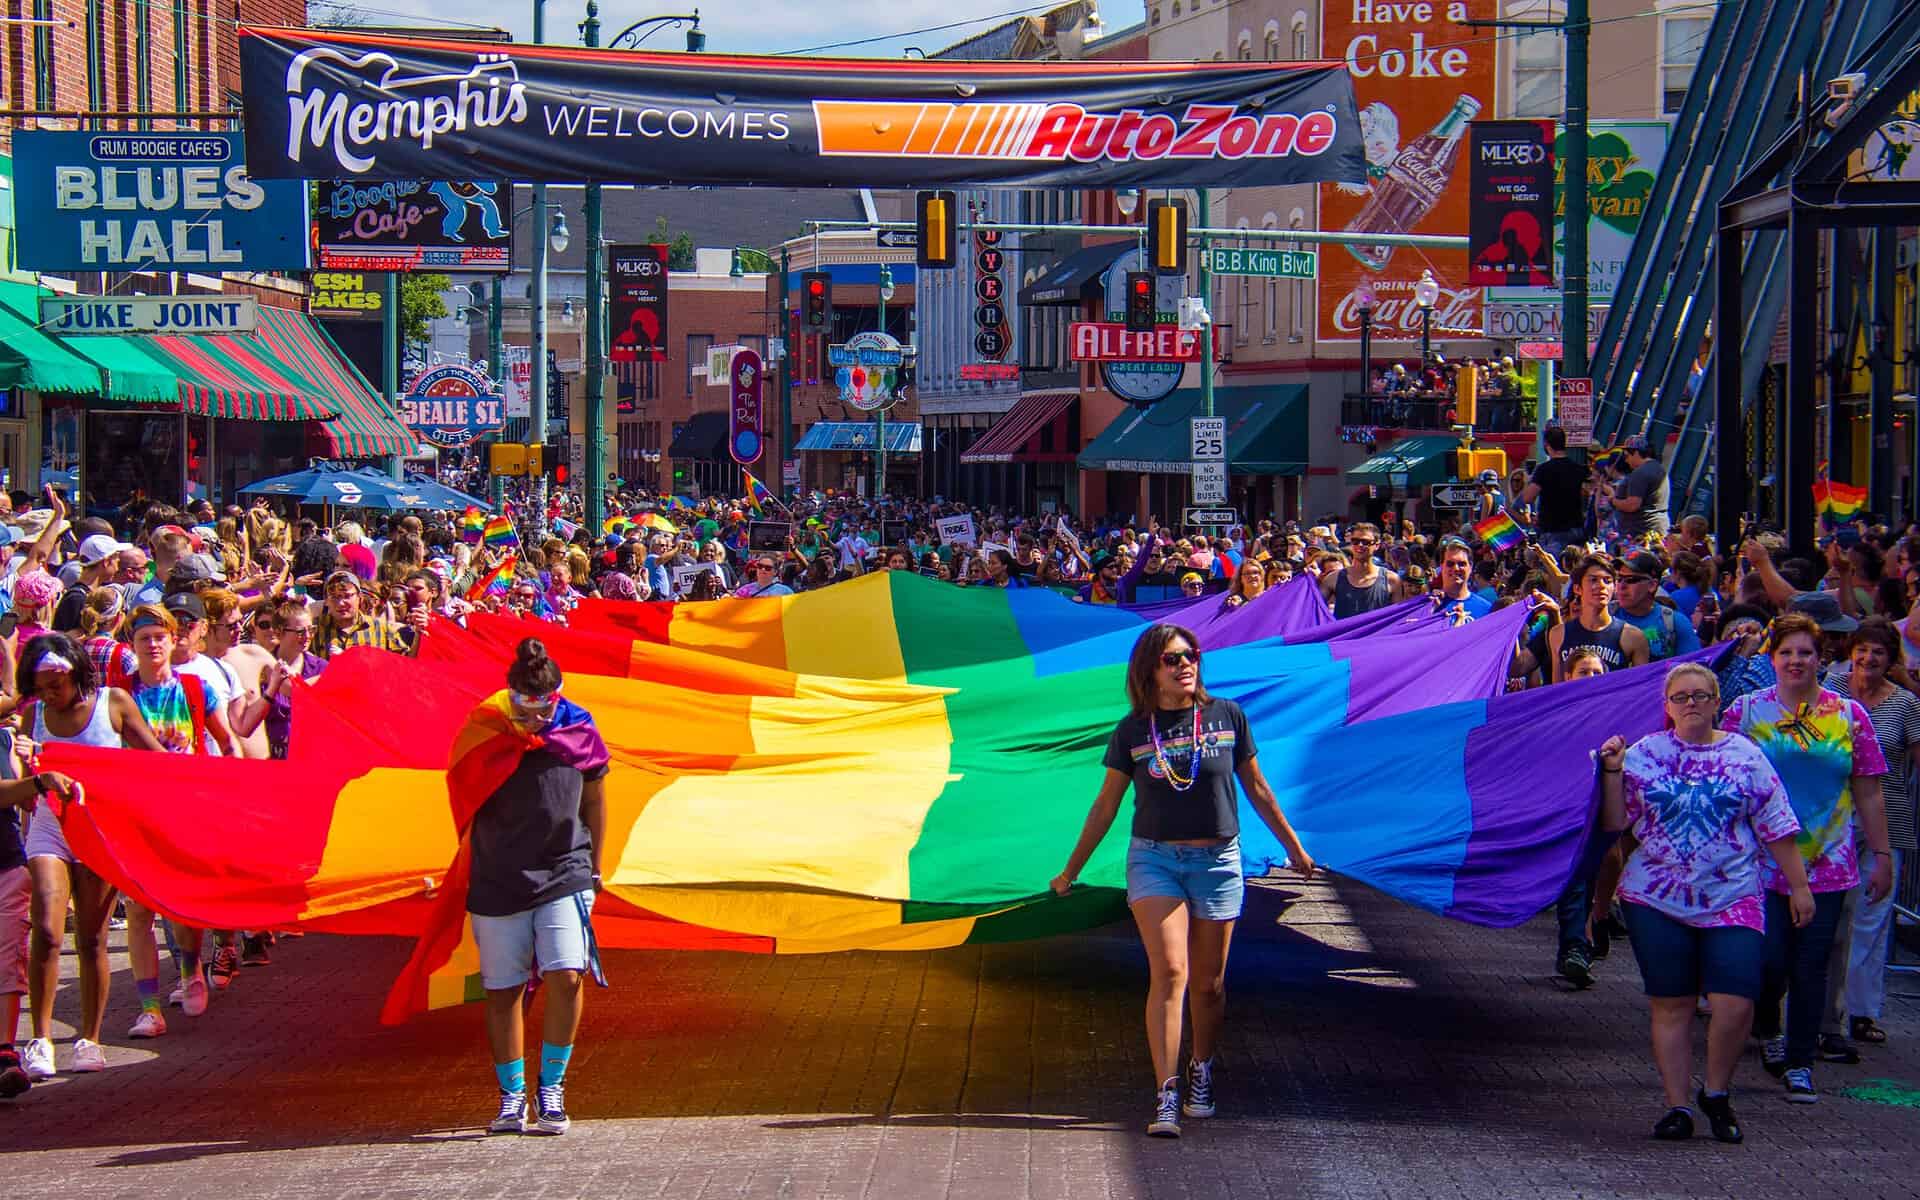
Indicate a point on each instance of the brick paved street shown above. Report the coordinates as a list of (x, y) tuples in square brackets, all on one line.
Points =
[(1374, 1051)]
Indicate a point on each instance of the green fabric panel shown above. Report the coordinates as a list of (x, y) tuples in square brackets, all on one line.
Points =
[(129, 372), (944, 629), (1043, 916), (36, 359)]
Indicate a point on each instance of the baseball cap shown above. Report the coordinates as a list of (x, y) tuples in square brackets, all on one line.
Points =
[(1824, 609), (186, 604), (1637, 443), (99, 546), (8, 535), (1645, 562)]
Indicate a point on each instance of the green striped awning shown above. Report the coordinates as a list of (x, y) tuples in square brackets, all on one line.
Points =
[(30, 358), (127, 372)]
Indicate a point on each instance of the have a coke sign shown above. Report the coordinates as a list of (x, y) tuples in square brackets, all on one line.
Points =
[(1112, 341)]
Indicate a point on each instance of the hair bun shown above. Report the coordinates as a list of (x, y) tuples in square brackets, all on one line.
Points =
[(531, 651)]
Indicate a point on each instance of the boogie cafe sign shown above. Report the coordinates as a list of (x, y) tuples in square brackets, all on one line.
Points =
[(342, 104)]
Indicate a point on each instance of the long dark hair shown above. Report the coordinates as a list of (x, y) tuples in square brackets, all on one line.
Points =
[(532, 672), (1141, 693)]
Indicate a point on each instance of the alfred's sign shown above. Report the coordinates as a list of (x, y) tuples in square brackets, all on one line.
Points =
[(1108, 341)]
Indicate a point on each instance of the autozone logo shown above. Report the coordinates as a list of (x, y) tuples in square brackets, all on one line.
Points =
[(911, 129)]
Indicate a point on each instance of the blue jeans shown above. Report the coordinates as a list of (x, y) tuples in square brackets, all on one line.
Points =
[(1575, 904), (1796, 969)]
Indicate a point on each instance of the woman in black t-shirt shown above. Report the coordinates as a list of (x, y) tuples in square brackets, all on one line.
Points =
[(1181, 750)]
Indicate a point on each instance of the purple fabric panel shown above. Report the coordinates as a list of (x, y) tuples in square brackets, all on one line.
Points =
[(1408, 616), (1532, 781), (1285, 612), (1391, 675)]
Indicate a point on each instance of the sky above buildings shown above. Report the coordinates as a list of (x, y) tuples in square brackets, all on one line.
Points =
[(875, 28)]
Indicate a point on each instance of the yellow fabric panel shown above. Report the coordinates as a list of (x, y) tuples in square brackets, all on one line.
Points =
[(845, 630), (386, 825), (449, 985), (747, 629), (833, 797), (801, 922)]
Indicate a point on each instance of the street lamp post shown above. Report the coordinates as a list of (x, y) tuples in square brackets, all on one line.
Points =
[(880, 413), (1364, 294), (1426, 293)]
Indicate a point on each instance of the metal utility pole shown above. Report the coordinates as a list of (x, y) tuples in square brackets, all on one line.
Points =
[(537, 376), (390, 361), (595, 484), (1573, 269), (786, 374), (497, 360), (880, 413), (1206, 298)]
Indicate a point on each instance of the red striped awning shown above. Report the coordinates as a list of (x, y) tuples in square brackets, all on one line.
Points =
[(1008, 438), (238, 375), (366, 426)]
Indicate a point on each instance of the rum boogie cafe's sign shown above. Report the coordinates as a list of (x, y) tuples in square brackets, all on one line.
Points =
[(325, 104)]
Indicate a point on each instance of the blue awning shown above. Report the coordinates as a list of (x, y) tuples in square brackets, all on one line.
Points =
[(903, 437)]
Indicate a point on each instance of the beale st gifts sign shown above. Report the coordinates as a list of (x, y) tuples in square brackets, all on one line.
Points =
[(1419, 78)]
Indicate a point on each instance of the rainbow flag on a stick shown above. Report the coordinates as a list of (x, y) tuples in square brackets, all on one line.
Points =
[(473, 526), (496, 580), (1838, 501), (499, 531), (757, 494), (1500, 531)]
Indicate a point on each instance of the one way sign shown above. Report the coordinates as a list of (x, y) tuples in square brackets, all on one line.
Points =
[(898, 239), (1454, 495)]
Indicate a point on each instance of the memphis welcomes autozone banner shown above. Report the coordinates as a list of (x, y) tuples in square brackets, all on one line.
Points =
[(326, 104)]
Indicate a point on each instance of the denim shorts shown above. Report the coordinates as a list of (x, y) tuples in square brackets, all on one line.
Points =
[(45, 838), (552, 937), (1206, 877), (1677, 959)]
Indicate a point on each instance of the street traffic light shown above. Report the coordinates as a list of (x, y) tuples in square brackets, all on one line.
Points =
[(937, 215), (1141, 316), (1466, 400), (816, 294), (1167, 231)]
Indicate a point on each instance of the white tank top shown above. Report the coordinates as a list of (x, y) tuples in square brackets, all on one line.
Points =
[(98, 730)]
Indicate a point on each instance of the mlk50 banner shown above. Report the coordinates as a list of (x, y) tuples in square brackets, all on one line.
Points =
[(638, 289), (1419, 78), (326, 103), (1511, 181)]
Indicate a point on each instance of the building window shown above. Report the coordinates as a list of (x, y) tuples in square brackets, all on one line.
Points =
[(1298, 301), (1680, 42), (1272, 47), (1270, 328), (43, 55), (1245, 46), (1175, 14), (1539, 69), (1299, 36), (1153, 15), (697, 346)]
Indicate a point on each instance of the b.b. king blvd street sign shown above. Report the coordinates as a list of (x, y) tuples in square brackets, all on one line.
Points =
[(1282, 264)]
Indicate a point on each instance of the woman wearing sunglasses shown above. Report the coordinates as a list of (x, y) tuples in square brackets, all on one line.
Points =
[(1181, 750), (1701, 803)]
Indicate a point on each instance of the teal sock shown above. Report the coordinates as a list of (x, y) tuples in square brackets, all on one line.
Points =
[(189, 963), (512, 1075), (553, 1063)]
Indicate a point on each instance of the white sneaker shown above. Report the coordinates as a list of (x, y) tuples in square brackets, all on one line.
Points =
[(36, 1059), (178, 995), (149, 1024), (87, 1057), (193, 998)]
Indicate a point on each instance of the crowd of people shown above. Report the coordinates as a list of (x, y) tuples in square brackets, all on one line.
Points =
[(1424, 396), (1777, 804)]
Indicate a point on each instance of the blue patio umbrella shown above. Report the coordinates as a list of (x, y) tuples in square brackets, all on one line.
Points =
[(360, 487), (440, 497)]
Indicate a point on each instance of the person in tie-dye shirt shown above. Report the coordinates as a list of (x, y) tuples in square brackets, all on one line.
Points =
[(1824, 747), (1701, 803)]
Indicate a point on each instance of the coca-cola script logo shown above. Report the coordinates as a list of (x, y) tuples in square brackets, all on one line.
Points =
[(1456, 308), (325, 115)]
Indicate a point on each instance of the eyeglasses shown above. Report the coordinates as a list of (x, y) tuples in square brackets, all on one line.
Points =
[(1174, 658), (763, 566), (297, 631), (1691, 699), (1362, 543), (1635, 578)]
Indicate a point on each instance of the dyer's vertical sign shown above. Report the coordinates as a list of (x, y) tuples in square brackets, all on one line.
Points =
[(1510, 224), (744, 434), (638, 311)]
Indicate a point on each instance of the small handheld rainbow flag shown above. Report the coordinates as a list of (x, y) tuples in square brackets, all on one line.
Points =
[(757, 494), (678, 504), (473, 526), (499, 531), (496, 580), (1500, 531), (1838, 501), (565, 528)]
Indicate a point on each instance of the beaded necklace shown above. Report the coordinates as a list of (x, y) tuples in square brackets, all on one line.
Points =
[(1160, 759)]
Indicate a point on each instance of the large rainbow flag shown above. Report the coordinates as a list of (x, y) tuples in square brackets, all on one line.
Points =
[(891, 763)]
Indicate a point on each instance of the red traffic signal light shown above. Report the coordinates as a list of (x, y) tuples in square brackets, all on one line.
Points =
[(1141, 294), (816, 289)]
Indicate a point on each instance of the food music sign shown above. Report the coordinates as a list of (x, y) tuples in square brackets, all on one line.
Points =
[(347, 104), (152, 202)]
